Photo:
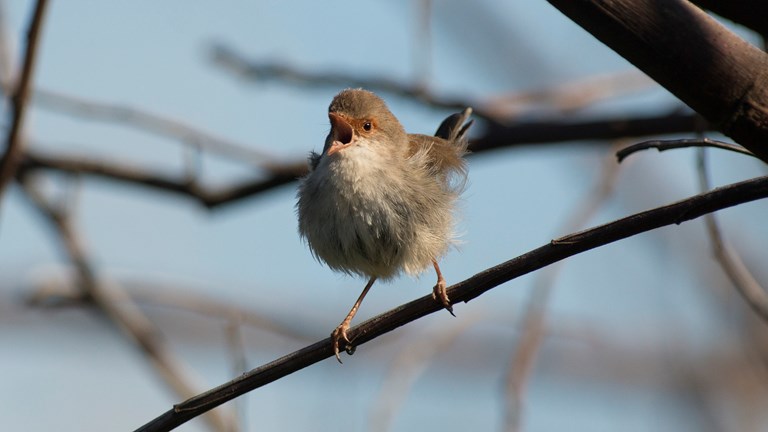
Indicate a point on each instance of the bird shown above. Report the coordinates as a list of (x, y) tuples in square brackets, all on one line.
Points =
[(379, 202)]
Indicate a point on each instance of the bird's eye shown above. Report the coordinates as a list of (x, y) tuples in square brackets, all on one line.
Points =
[(367, 126)]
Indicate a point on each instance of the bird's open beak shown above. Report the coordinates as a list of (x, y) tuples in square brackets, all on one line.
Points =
[(343, 135)]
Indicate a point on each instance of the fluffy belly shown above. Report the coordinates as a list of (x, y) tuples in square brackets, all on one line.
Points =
[(368, 220), (361, 235)]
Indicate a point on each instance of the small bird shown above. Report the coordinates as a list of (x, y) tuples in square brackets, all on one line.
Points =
[(378, 201)]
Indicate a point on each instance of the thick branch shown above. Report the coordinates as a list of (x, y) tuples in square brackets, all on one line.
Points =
[(751, 13), (10, 160), (467, 290), (708, 67)]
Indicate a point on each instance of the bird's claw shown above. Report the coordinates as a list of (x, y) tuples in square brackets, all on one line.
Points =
[(439, 294), (338, 335)]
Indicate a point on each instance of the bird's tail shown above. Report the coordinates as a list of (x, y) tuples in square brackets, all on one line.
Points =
[(455, 127)]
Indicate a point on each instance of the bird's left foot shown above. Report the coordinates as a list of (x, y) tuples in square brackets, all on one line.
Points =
[(439, 294)]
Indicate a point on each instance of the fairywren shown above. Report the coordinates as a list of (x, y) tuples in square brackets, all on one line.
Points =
[(379, 201)]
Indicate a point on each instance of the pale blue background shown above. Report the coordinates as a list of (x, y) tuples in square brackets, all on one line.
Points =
[(650, 296)]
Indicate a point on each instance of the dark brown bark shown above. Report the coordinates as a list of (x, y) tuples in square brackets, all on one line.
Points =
[(708, 67), (749, 13)]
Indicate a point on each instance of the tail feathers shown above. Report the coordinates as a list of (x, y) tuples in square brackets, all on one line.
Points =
[(455, 127)]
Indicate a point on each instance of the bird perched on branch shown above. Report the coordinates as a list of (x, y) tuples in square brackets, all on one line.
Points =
[(379, 201)]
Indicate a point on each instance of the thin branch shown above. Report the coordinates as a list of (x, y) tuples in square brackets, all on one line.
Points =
[(152, 123), (6, 56), (14, 142), (227, 59), (566, 97), (742, 279), (59, 290), (467, 290), (495, 109), (412, 360), (662, 145), (236, 347), (522, 362), (117, 306)]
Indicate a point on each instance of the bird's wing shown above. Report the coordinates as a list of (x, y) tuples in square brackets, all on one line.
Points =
[(445, 151)]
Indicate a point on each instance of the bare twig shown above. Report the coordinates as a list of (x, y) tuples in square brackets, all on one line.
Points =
[(566, 97), (467, 290), (152, 123), (117, 305), (409, 364), (235, 63), (7, 60), (730, 261), (522, 361), (13, 142), (662, 145), (496, 109), (58, 291), (239, 365)]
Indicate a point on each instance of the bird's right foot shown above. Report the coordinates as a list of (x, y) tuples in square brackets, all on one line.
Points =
[(339, 337)]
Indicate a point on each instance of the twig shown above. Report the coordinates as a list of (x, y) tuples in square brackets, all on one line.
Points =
[(566, 97), (730, 261), (228, 59), (410, 363), (662, 145), (117, 305), (556, 250), (495, 110), (6, 57), (152, 123), (14, 143), (239, 365), (522, 361), (59, 292)]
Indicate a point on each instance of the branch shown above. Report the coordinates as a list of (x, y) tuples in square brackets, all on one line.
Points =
[(557, 130), (149, 122), (467, 290), (278, 176), (708, 67), (522, 361), (495, 137), (117, 305), (14, 143), (662, 145), (750, 13), (497, 109), (228, 59), (742, 279)]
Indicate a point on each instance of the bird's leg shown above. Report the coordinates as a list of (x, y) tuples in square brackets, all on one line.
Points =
[(340, 333), (438, 292)]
